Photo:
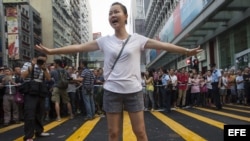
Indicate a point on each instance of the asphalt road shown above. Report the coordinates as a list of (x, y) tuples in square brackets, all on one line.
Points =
[(192, 124)]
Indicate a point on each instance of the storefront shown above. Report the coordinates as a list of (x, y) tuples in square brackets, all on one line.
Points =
[(234, 46)]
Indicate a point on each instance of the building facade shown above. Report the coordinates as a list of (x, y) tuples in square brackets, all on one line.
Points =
[(220, 27), (25, 23), (86, 27), (137, 24), (62, 21), (2, 38), (22, 30)]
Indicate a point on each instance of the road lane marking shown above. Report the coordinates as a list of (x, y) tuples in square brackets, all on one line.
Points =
[(84, 130), (10, 127), (238, 110), (178, 128), (128, 134), (241, 106), (47, 127), (225, 114), (202, 118)]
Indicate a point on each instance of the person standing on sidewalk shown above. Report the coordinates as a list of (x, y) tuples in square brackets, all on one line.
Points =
[(71, 90), (34, 104), (216, 84), (87, 79), (60, 93), (182, 88), (122, 85), (10, 107)]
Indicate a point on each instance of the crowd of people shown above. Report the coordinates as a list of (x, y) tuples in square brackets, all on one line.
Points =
[(122, 90), (38, 109), (164, 90), (184, 89)]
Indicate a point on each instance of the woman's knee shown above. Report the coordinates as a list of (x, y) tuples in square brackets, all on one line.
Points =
[(113, 133), (140, 132)]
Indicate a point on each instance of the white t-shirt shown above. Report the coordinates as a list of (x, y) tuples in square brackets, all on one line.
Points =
[(72, 87), (240, 86), (126, 76), (209, 81), (224, 82), (173, 78)]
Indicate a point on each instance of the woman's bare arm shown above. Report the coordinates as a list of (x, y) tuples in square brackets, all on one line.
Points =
[(85, 47), (154, 44)]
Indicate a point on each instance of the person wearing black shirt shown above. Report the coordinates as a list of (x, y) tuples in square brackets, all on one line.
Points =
[(34, 104)]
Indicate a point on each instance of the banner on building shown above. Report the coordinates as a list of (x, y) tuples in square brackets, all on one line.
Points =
[(13, 46), (183, 14), (12, 32), (12, 21)]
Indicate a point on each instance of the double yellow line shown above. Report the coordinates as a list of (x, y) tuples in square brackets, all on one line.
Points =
[(178, 128), (226, 114)]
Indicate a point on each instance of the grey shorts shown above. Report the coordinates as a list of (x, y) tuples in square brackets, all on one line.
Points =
[(116, 102)]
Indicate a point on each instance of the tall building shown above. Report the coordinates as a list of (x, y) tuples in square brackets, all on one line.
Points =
[(86, 26), (61, 21), (36, 30), (3, 57), (137, 19), (137, 16), (28, 22), (22, 31), (96, 58)]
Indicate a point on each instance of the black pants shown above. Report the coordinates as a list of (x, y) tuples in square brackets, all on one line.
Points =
[(168, 100), (216, 95), (34, 107)]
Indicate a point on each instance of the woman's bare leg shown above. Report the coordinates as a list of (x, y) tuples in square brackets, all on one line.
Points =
[(114, 125), (138, 125)]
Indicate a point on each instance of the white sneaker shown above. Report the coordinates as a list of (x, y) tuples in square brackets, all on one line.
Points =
[(43, 134)]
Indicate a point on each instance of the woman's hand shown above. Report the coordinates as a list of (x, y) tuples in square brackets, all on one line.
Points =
[(43, 49), (194, 51)]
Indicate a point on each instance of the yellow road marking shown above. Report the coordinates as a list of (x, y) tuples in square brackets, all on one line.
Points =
[(202, 118), (84, 130), (128, 134), (238, 110), (47, 127), (241, 106), (5, 129), (225, 114), (178, 128)]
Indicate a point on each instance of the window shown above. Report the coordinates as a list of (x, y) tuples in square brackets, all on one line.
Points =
[(224, 46), (240, 38)]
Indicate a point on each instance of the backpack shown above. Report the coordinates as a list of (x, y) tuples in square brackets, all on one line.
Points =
[(62, 79)]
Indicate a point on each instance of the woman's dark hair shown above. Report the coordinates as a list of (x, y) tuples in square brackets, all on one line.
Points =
[(124, 9), (151, 73), (142, 74)]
